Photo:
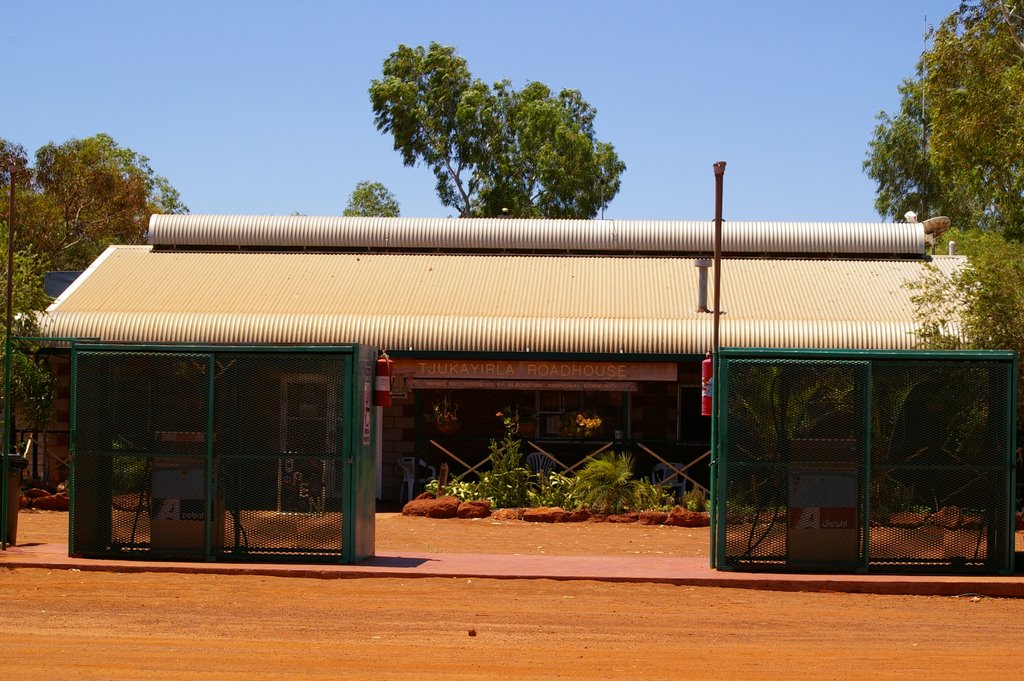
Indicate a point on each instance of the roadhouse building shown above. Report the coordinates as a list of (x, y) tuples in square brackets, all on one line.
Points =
[(588, 335)]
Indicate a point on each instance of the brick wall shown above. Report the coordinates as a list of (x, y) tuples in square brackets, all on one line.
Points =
[(399, 428)]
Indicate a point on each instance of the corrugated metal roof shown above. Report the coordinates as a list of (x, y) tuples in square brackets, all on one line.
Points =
[(506, 303), (565, 236)]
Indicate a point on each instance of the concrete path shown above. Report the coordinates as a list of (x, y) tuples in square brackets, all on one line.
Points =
[(664, 570)]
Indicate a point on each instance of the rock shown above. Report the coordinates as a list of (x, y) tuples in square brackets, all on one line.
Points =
[(653, 517), (54, 502), (24, 502), (36, 492), (444, 507), (580, 515), (416, 507), (507, 514), (545, 514), (623, 517), (424, 495), (474, 509), (680, 517)]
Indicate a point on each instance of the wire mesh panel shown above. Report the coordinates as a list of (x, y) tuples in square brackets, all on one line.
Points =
[(792, 484), (280, 459), (234, 454), (884, 462), (940, 434), (140, 453), (755, 526)]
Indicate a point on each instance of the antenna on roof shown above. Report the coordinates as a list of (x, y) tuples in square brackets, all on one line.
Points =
[(924, 124)]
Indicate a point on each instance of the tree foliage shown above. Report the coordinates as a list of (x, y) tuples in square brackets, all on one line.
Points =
[(78, 198), (905, 179), (372, 199), (494, 150), (83, 195), (31, 381), (968, 98), (981, 305)]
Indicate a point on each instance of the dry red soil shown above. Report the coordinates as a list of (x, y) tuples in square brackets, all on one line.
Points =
[(97, 625)]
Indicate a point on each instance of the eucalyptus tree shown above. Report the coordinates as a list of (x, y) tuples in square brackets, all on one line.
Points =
[(75, 200), (494, 150), (955, 145), (82, 195), (372, 199)]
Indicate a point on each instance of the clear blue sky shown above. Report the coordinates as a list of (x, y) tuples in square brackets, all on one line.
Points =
[(262, 107)]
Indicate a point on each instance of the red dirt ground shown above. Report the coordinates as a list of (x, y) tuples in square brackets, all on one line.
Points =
[(96, 625)]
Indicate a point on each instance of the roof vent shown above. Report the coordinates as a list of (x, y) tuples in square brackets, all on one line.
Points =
[(702, 284)]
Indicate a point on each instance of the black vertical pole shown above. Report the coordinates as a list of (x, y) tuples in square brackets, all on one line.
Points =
[(4, 492)]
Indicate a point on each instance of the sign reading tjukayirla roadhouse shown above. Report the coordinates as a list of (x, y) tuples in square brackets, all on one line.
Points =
[(527, 370)]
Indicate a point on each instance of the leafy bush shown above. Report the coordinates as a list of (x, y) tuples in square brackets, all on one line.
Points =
[(508, 483), (604, 485), (557, 489), (607, 483), (648, 496), (463, 490), (695, 500)]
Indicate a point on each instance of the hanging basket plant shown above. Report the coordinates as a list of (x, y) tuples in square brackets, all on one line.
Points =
[(448, 427), (580, 424), (445, 415)]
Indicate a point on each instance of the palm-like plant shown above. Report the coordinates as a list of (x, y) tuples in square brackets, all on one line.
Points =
[(607, 482)]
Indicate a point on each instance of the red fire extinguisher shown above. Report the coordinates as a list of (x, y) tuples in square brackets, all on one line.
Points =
[(382, 382), (707, 380)]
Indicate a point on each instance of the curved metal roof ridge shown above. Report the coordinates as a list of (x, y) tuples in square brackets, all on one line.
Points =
[(464, 334), (512, 234)]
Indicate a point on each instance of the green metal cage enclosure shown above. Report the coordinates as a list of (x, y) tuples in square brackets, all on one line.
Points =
[(259, 453), (865, 461)]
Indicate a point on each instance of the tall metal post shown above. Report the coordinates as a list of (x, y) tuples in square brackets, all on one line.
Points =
[(719, 175), (7, 360)]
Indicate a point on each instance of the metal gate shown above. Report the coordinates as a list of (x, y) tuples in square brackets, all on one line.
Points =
[(217, 453), (865, 461)]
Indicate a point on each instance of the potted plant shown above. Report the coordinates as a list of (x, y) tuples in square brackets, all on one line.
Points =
[(445, 414)]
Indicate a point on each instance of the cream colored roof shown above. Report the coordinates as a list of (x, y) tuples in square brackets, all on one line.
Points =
[(560, 236), (506, 303)]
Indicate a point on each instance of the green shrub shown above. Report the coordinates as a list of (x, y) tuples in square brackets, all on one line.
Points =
[(606, 483), (463, 490), (557, 489), (648, 496), (695, 500), (508, 483)]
